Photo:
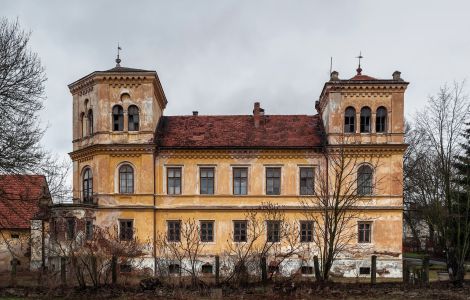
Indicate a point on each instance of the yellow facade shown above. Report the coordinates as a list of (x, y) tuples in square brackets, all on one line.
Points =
[(104, 150)]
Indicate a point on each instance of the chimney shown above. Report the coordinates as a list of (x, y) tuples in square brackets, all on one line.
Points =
[(258, 112), (334, 76), (397, 76), (195, 113)]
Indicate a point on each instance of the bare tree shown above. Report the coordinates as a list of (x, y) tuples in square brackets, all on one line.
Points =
[(21, 94), (334, 209)]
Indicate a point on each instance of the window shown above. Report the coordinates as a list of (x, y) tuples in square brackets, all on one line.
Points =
[(364, 180), (126, 179), (15, 236), (90, 122), (306, 181), (174, 181), (83, 124), (206, 268), (306, 231), (364, 230), (133, 113), (89, 229), (273, 181), (274, 228), (207, 181), (174, 268), (118, 118), (381, 120), (125, 268), (87, 186), (364, 270), (239, 231), (273, 267), (207, 231), (126, 230), (70, 228), (306, 270), (240, 179), (350, 120), (174, 231), (365, 119)]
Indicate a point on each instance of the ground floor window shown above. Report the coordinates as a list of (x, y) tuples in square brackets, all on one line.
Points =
[(207, 231), (364, 232)]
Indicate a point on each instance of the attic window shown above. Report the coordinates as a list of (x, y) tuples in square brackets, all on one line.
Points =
[(15, 236), (364, 270)]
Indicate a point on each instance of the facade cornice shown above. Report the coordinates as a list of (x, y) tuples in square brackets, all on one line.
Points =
[(240, 153), (121, 150)]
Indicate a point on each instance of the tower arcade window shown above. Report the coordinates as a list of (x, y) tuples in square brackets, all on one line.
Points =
[(118, 118), (350, 120), (133, 120), (82, 125), (365, 119), (126, 179), (90, 122), (381, 120), (87, 186), (364, 180)]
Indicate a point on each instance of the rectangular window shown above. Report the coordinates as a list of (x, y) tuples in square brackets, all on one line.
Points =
[(239, 231), (15, 236), (126, 230), (364, 270), (207, 231), (174, 231), (307, 181), (207, 181), (306, 231), (273, 231), (240, 181), (174, 181), (70, 228), (364, 232), (89, 230), (273, 181), (125, 268)]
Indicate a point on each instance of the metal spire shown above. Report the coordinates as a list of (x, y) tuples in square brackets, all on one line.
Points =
[(359, 69), (118, 60)]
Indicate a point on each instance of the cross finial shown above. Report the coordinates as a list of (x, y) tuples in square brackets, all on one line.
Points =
[(118, 60), (359, 69)]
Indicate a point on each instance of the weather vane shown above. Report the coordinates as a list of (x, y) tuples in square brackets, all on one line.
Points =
[(118, 60), (359, 70)]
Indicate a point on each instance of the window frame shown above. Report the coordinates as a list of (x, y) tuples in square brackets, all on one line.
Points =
[(363, 190), (87, 185), (365, 120), (117, 118), (239, 191), (362, 238), (270, 230), (307, 193), (172, 235), (174, 168), (273, 178), (381, 121), (131, 116), (350, 120), (238, 233), (129, 178), (90, 129), (309, 232), (207, 180), (89, 229), (204, 235), (126, 233), (71, 228)]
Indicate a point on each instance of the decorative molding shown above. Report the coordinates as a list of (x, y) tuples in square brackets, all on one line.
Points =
[(237, 154), (120, 150)]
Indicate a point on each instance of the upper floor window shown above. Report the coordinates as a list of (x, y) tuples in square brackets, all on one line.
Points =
[(364, 180), (240, 182), (306, 231), (207, 231), (207, 181), (82, 125), (306, 181), (365, 119), (273, 231), (133, 120), (87, 186), (70, 228), (174, 231), (350, 120), (118, 118), (126, 179), (364, 232), (273, 181), (90, 122), (126, 230), (173, 181), (381, 120), (240, 231)]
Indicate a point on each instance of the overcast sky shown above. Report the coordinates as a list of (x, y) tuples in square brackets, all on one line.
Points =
[(218, 57)]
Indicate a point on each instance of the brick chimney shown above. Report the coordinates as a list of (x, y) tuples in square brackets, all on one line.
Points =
[(258, 114), (397, 76), (195, 113)]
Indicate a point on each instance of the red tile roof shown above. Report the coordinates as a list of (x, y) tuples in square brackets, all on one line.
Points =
[(19, 199), (361, 77), (275, 131)]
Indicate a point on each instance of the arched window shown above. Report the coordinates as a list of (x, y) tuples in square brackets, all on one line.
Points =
[(118, 118), (87, 186), (381, 120), (126, 179), (82, 125), (365, 119), (90, 122), (364, 180), (350, 120), (133, 112)]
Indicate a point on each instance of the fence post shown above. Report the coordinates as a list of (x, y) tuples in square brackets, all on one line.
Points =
[(406, 272), (264, 274), (14, 264), (217, 268), (316, 266), (373, 270), (114, 269), (425, 270), (94, 270), (63, 271)]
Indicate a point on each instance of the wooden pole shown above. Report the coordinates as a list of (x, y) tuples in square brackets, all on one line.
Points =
[(14, 264), (114, 270), (425, 270), (373, 270), (264, 273), (316, 266), (406, 273), (217, 267), (63, 271)]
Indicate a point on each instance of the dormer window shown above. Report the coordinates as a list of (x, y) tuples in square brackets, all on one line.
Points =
[(133, 112), (365, 120), (118, 118)]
